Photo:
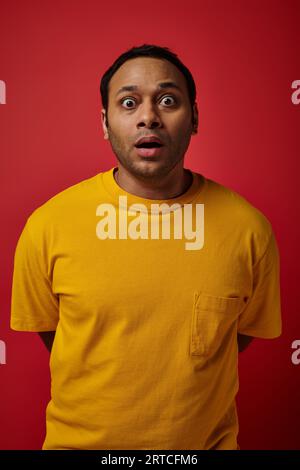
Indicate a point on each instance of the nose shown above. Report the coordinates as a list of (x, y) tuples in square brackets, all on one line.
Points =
[(148, 116)]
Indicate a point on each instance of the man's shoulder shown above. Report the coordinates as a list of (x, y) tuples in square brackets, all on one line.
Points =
[(236, 209), (63, 204)]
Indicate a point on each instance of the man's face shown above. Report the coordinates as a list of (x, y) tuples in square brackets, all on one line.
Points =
[(149, 110)]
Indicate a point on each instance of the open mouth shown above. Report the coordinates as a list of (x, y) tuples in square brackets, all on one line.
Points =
[(149, 149), (149, 145)]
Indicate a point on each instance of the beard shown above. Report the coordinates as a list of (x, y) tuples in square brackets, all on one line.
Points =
[(148, 168)]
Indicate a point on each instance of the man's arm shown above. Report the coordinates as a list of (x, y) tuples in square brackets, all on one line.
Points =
[(47, 338), (244, 341)]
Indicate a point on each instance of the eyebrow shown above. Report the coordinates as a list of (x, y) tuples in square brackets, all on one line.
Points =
[(159, 86)]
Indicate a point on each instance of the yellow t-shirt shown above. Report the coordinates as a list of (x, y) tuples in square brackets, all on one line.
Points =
[(145, 354)]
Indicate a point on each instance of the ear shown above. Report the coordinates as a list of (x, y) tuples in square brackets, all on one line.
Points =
[(195, 119), (104, 127)]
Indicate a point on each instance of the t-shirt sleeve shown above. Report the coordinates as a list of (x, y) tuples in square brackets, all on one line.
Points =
[(34, 306), (262, 315)]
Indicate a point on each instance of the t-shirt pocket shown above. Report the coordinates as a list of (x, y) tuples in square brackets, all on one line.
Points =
[(212, 316)]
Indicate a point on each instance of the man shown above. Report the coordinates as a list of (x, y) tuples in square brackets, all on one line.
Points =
[(146, 328)]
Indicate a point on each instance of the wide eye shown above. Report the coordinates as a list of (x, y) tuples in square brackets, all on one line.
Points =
[(127, 99), (168, 98), (169, 101)]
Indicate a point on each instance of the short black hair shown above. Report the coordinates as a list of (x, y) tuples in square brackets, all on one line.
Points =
[(147, 50)]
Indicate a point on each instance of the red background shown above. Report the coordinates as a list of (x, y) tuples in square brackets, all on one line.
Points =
[(244, 58)]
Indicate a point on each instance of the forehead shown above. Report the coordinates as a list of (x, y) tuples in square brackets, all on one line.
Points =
[(146, 72)]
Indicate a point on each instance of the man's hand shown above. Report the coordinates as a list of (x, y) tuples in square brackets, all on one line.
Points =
[(244, 341), (47, 338)]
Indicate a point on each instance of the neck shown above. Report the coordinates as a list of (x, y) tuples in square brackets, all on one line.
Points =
[(174, 184)]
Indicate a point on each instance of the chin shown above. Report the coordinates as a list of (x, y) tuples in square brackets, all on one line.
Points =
[(151, 168)]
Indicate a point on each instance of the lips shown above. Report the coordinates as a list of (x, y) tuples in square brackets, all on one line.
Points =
[(150, 141)]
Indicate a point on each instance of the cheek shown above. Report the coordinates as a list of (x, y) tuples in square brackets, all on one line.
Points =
[(124, 128), (117, 120), (180, 120), (119, 129), (181, 130)]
